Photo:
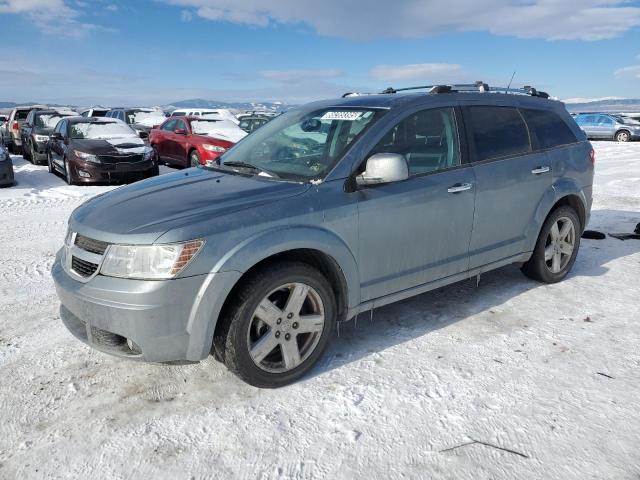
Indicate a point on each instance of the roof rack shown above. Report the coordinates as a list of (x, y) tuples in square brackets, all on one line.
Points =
[(477, 87)]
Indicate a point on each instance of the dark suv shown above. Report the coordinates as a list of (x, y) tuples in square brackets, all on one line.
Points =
[(332, 209), (35, 132)]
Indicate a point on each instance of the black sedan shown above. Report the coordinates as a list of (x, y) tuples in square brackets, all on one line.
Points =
[(99, 150)]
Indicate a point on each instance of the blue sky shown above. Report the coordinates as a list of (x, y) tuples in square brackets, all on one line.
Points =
[(158, 51)]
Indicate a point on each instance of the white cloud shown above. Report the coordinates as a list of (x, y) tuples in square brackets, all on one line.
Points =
[(50, 16), (112, 8), (549, 19), (632, 71), (417, 71), (294, 76), (186, 16)]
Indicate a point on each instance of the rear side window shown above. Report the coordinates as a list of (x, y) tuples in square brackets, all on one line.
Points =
[(21, 114), (549, 128), (497, 132)]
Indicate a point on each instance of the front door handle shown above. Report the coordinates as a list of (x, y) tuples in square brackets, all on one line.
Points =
[(540, 170), (459, 187)]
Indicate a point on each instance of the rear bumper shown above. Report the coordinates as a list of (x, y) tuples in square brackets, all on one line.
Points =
[(154, 321)]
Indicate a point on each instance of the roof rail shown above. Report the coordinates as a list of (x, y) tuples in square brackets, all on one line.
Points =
[(477, 87)]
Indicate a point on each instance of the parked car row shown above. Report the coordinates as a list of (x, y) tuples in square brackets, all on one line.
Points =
[(122, 144), (607, 126)]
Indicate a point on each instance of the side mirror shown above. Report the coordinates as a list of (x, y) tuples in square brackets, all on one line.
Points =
[(155, 127), (384, 168), (57, 136), (180, 131)]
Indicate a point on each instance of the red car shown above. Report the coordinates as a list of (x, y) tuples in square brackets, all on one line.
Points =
[(190, 141)]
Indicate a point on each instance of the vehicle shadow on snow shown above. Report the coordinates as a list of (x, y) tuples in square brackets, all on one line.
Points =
[(418, 316)]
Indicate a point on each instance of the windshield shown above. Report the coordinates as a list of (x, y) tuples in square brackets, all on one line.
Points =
[(49, 120), (303, 145), (101, 130)]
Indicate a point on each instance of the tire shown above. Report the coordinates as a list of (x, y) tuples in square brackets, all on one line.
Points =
[(25, 153), (553, 268), (156, 154), (68, 176), (622, 136), (50, 163), (194, 159), (240, 330), (32, 154)]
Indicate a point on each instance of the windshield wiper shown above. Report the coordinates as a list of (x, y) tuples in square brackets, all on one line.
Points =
[(248, 166)]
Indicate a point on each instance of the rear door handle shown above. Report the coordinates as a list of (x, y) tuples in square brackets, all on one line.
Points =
[(539, 170), (459, 187)]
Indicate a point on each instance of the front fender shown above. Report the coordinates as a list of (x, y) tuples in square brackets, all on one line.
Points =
[(278, 240)]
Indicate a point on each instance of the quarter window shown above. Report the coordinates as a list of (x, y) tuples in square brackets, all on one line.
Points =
[(549, 128), (428, 139), (497, 132)]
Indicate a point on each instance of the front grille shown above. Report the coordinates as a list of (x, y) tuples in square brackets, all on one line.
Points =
[(82, 267), (121, 158), (91, 245)]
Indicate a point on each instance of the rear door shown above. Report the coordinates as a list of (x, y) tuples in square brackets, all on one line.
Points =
[(511, 180), (417, 231)]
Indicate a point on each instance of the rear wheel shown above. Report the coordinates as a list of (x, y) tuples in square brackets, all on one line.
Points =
[(194, 158), (623, 136), (278, 325), (556, 248)]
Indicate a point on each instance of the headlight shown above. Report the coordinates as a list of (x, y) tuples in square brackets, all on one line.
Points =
[(152, 262), (148, 153), (213, 148), (41, 138), (87, 157)]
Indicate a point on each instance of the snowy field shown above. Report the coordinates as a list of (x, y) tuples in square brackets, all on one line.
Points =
[(509, 380)]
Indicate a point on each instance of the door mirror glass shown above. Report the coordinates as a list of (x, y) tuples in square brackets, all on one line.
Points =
[(384, 168), (56, 136), (180, 131)]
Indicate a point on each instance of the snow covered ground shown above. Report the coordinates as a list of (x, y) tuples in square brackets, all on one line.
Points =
[(511, 379)]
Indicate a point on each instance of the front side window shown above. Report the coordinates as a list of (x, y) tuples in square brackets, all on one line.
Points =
[(179, 125), (169, 126), (550, 129), (302, 144), (428, 139), (497, 132)]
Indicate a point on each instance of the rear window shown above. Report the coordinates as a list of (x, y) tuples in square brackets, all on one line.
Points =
[(549, 128), (497, 132)]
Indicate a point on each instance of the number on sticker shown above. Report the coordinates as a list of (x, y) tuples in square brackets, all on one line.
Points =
[(345, 115)]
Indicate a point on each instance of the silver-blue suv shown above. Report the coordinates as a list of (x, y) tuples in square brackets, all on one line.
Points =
[(332, 209), (605, 126)]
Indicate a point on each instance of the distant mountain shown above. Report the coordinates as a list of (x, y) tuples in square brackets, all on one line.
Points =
[(202, 103), (610, 105)]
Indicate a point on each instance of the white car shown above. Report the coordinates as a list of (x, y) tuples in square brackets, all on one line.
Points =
[(222, 113)]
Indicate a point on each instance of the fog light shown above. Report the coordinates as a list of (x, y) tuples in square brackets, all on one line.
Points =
[(84, 174), (212, 163)]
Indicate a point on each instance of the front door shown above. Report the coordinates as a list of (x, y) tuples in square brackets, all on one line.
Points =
[(418, 230)]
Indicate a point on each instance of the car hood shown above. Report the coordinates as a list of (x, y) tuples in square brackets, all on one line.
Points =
[(141, 212), (111, 146)]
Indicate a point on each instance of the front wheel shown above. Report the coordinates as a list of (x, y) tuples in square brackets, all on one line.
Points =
[(50, 163), (623, 136), (194, 158), (278, 325), (556, 248), (68, 176), (25, 153)]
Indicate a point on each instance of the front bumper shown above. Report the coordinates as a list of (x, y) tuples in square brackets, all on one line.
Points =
[(6, 172), (40, 150), (111, 172), (154, 321)]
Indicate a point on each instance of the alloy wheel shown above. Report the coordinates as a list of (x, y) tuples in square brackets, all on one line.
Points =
[(560, 244), (195, 161), (286, 327), (622, 137)]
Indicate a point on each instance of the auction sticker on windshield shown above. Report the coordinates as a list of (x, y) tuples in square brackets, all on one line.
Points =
[(349, 115)]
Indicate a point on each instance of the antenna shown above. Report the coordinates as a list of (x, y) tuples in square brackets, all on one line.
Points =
[(509, 86)]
